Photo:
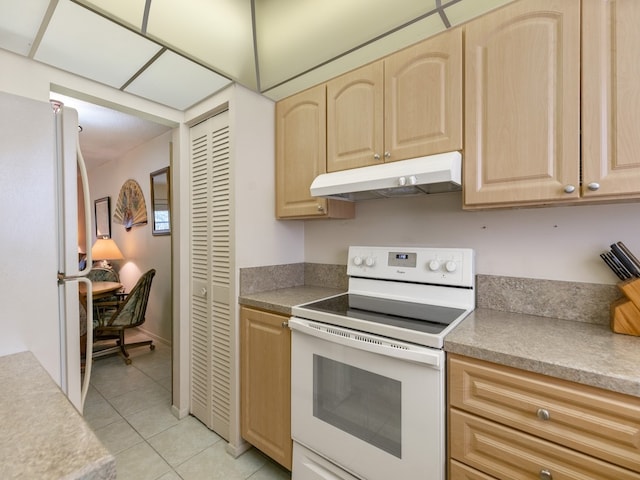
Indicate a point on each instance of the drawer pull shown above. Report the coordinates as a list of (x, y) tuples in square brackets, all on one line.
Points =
[(545, 474), (543, 414)]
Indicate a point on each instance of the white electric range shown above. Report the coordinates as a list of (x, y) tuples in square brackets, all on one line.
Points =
[(368, 369)]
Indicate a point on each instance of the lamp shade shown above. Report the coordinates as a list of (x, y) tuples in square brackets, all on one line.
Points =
[(106, 249)]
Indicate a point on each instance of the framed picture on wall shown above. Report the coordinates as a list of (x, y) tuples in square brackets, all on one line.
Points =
[(103, 217), (161, 202)]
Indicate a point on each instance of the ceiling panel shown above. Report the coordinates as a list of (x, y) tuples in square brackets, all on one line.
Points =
[(19, 23), (409, 35), (218, 33), (299, 43), (128, 12), (293, 37), (89, 45), (177, 82)]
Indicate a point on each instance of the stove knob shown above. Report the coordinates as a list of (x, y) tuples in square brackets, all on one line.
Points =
[(434, 265), (450, 266), (357, 261), (370, 261)]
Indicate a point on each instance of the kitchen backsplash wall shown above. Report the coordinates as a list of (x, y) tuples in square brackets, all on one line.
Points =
[(576, 301), (580, 302), (323, 275), (273, 277)]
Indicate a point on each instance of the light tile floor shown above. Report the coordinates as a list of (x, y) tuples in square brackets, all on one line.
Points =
[(129, 409)]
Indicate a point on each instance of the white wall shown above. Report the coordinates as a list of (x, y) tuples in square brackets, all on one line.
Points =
[(555, 243), (260, 238), (142, 250)]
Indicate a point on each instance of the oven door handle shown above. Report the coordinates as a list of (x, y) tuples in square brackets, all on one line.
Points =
[(367, 342)]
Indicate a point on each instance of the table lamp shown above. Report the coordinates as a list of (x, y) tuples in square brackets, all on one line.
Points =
[(106, 249)]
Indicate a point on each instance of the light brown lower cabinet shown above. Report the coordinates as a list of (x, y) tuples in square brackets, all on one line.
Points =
[(265, 385), (506, 423)]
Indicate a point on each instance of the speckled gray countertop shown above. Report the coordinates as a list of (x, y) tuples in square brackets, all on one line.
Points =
[(281, 300), (576, 351), (42, 435)]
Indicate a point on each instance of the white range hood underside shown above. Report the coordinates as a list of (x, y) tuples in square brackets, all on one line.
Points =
[(433, 174)]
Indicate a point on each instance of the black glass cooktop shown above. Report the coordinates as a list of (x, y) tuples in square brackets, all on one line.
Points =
[(396, 313)]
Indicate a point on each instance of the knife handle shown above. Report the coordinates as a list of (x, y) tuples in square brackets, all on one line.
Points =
[(613, 266), (619, 265), (629, 255), (628, 264)]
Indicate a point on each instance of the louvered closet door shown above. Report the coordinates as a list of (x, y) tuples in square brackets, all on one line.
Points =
[(210, 274)]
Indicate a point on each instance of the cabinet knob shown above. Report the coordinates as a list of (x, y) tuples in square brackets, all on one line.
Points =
[(543, 414), (376, 156), (593, 186), (569, 189), (320, 208), (387, 154), (545, 474), (285, 324)]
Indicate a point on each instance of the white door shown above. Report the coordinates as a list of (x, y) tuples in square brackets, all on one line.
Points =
[(211, 254)]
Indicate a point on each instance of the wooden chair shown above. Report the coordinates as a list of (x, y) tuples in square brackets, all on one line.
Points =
[(114, 318)]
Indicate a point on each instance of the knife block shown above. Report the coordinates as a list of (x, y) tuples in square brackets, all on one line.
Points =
[(625, 312)]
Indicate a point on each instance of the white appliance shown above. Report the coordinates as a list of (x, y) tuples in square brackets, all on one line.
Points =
[(418, 176), (40, 158), (368, 369)]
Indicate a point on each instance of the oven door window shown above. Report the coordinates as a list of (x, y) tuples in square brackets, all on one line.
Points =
[(361, 403)]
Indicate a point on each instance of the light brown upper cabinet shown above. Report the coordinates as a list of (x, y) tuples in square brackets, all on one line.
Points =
[(533, 73), (407, 105), (610, 99), (355, 111), (522, 104), (301, 156)]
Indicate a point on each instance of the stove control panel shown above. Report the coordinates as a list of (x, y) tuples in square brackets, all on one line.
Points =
[(440, 266)]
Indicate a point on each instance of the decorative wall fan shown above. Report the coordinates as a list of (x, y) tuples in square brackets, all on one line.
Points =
[(130, 209)]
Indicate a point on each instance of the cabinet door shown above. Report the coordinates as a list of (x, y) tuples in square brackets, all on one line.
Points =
[(611, 98), (265, 365), (423, 98), (355, 118), (522, 104), (301, 155), (300, 152)]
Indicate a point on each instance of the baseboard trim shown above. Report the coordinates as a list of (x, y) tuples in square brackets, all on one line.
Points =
[(179, 414), (236, 450), (153, 336)]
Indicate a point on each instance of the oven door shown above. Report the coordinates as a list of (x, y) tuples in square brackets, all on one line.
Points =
[(371, 405)]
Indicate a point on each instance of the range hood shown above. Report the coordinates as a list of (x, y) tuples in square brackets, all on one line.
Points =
[(418, 176)]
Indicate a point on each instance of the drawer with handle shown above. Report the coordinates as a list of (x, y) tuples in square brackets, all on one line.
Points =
[(594, 421), (460, 471), (509, 454)]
